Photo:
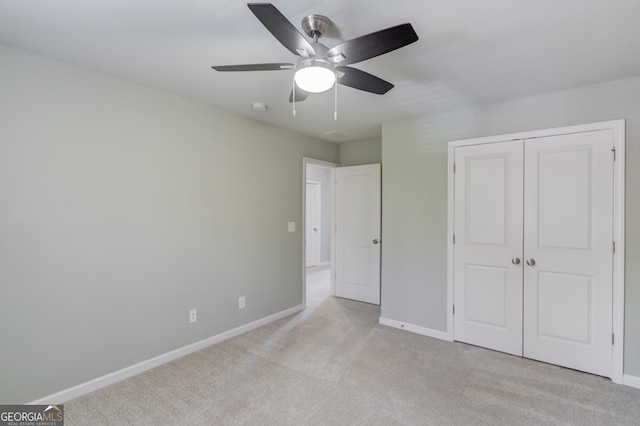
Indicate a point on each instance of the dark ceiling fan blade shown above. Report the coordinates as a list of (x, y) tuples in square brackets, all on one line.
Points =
[(254, 67), (281, 28), (375, 44), (301, 95), (361, 80)]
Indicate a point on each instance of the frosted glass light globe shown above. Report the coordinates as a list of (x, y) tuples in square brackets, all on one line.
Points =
[(315, 79)]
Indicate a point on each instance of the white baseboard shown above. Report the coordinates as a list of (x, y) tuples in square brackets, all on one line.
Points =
[(437, 334), (632, 381), (125, 373)]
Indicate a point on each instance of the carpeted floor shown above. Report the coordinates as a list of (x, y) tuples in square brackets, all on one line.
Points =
[(333, 364)]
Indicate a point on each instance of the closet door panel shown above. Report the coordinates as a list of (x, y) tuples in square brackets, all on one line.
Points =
[(568, 220), (488, 230)]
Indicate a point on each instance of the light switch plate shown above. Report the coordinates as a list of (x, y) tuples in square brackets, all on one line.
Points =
[(292, 226)]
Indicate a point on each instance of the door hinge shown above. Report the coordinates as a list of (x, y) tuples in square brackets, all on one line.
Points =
[(454, 238), (454, 309), (614, 247), (454, 167), (614, 154), (613, 339)]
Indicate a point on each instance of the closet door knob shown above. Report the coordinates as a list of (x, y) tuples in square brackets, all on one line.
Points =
[(515, 260), (531, 262)]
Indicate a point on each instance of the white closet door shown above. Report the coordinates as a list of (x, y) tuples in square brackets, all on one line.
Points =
[(488, 231), (568, 234)]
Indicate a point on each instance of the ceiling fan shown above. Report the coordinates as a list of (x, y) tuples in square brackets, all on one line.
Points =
[(319, 67)]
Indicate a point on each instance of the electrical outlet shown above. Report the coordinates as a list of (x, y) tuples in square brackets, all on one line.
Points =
[(193, 316), (241, 303)]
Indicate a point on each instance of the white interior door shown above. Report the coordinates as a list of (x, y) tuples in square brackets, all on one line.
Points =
[(357, 238), (568, 234), (488, 233), (312, 223)]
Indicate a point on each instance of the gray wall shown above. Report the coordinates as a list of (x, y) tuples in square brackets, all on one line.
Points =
[(121, 208), (323, 175), (361, 152), (415, 194)]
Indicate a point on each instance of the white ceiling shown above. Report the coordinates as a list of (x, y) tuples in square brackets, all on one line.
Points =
[(470, 52)]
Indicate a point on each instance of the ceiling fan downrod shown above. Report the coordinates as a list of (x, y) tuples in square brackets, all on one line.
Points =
[(315, 26)]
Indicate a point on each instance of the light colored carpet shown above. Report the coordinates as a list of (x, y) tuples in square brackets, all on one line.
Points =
[(333, 364)]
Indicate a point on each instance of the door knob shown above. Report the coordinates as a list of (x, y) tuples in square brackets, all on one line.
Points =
[(375, 241), (531, 262), (515, 260)]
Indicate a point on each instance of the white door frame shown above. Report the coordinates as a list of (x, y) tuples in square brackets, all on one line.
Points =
[(326, 164), (618, 129)]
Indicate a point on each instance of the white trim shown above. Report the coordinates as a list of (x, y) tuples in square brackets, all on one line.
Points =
[(631, 381), (332, 249), (450, 234), (127, 372), (618, 128), (589, 127), (321, 163), (429, 332), (617, 365)]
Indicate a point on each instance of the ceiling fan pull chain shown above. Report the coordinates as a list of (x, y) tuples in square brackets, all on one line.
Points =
[(335, 105), (293, 94)]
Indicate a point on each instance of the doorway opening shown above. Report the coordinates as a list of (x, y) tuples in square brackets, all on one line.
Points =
[(318, 211)]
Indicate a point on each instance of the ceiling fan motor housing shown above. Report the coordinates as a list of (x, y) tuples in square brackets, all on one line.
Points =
[(316, 25)]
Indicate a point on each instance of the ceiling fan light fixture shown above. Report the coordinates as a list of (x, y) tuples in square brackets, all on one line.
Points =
[(314, 76)]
